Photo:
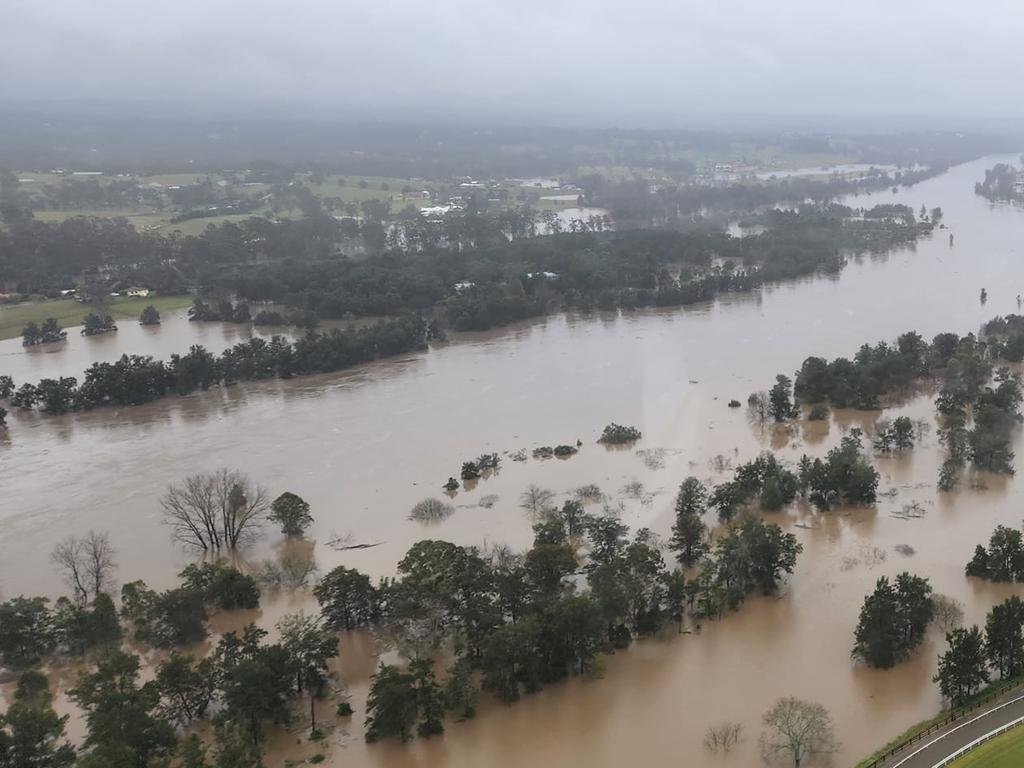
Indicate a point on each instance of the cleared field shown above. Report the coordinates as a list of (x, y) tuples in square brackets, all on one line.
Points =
[(68, 312), (1006, 751), (142, 220)]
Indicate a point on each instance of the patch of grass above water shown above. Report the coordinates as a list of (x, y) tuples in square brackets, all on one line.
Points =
[(68, 312)]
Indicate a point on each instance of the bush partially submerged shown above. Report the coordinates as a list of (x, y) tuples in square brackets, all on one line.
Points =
[(617, 434), (431, 511)]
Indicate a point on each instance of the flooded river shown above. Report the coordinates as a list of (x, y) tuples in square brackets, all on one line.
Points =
[(364, 446)]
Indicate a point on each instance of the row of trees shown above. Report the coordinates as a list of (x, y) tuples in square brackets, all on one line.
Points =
[(978, 406), (137, 379), (966, 664), (524, 620), (1004, 558), (845, 476), (47, 333)]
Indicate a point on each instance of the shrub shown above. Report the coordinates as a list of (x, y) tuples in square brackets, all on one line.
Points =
[(616, 434)]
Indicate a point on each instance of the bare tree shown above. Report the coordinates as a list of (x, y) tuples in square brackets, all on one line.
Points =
[(723, 737), (757, 407), (215, 510), (99, 562), (87, 564), (797, 731), (949, 613), (67, 556), (431, 511), (535, 499)]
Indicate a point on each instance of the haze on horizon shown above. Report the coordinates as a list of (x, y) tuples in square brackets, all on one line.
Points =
[(568, 60)]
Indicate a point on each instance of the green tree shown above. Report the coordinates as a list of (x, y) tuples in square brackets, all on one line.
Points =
[(963, 667), (429, 697), (291, 512), (33, 688), (347, 599), (32, 737), (460, 691), (150, 316), (80, 628), (780, 405), (893, 620), (509, 657), (186, 687), (6, 387), (978, 565), (391, 706), (309, 647), (96, 323), (1004, 637), (26, 631), (689, 534), (256, 689), (224, 586), (124, 726), (878, 637)]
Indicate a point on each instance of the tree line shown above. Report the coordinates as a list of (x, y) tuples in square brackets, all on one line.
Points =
[(137, 379), (978, 405), (479, 287)]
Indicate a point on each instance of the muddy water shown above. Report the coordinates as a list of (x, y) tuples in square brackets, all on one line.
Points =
[(365, 445)]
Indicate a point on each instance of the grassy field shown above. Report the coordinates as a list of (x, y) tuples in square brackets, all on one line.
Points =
[(69, 312), (1006, 751)]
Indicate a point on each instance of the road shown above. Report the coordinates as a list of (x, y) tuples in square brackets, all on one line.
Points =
[(939, 745)]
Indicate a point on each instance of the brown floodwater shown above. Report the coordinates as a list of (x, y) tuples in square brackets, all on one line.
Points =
[(364, 446)]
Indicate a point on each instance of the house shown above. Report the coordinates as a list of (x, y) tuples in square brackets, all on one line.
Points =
[(137, 291), (463, 285), (545, 275), (434, 211)]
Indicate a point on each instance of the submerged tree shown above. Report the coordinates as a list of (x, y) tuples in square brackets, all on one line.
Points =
[(689, 534), (124, 724), (797, 731), (963, 667), (291, 512), (33, 737), (215, 510), (310, 647), (87, 564), (392, 706), (893, 620)]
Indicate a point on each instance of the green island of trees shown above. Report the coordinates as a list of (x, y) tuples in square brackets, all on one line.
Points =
[(96, 323), (978, 404), (893, 620), (1003, 560), (1000, 184), (150, 316), (138, 379), (47, 333)]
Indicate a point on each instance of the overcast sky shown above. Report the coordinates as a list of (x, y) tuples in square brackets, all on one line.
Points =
[(526, 57)]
